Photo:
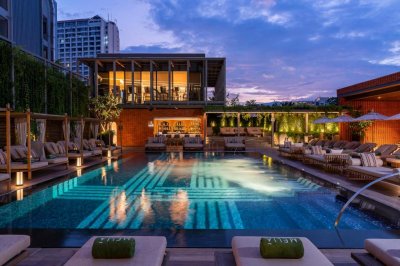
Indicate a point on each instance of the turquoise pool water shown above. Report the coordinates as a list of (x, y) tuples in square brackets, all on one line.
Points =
[(186, 191)]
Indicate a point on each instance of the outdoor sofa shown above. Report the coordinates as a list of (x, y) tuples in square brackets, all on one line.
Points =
[(234, 143), (74, 151), (358, 170), (192, 143), (156, 144), (149, 250), (18, 155), (55, 153), (12, 245), (246, 250)]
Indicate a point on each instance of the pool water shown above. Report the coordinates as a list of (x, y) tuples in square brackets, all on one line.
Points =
[(186, 191)]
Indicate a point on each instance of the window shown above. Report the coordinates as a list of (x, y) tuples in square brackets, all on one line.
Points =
[(3, 27), (45, 52), (45, 30)]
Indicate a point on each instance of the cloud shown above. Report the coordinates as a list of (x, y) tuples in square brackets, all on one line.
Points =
[(349, 35), (289, 68), (268, 76)]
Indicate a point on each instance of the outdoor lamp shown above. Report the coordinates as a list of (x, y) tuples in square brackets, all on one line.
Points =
[(109, 154), (79, 161), (19, 179)]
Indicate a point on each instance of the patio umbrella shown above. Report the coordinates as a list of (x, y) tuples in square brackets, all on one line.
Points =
[(394, 117), (342, 119), (371, 116), (322, 120)]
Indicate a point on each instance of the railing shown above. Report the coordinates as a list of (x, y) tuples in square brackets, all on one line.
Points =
[(360, 191)]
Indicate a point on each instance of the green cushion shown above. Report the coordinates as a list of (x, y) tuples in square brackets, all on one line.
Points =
[(285, 248), (113, 248)]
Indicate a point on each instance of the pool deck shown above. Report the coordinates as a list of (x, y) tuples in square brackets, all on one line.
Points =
[(174, 257)]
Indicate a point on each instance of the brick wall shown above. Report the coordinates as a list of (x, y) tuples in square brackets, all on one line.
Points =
[(135, 130), (381, 132)]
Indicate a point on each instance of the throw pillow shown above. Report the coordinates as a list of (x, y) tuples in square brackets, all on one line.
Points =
[(369, 159), (316, 150), (2, 157)]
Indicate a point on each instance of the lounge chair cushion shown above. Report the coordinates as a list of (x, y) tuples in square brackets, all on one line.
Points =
[(155, 145), (4, 177), (3, 157), (316, 150), (246, 250), (369, 159), (57, 160), (12, 245), (193, 145), (149, 250), (386, 250)]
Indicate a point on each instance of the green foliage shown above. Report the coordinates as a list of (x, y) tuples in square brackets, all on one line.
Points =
[(358, 128), (33, 81), (105, 108)]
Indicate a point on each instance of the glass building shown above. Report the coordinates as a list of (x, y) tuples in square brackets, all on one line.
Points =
[(148, 79), (85, 38)]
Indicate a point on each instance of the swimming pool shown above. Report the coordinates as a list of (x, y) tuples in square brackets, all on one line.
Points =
[(193, 191), (193, 199)]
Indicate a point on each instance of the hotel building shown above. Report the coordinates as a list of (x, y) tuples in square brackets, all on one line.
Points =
[(85, 38), (30, 25), (159, 93)]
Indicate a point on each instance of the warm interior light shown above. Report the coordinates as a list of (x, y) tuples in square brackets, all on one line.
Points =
[(20, 194), (19, 179), (150, 124), (79, 162)]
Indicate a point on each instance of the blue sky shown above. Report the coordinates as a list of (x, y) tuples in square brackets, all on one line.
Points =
[(275, 50)]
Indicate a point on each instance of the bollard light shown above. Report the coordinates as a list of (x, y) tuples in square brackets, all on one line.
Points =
[(19, 179), (79, 161)]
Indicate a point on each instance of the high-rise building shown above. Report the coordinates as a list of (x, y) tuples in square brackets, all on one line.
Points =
[(30, 25), (85, 38)]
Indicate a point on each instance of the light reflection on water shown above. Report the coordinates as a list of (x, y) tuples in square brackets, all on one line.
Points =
[(179, 207), (118, 206)]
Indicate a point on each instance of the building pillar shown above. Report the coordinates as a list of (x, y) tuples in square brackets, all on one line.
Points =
[(96, 81), (272, 129), (115, 78), (206, 82), (133, 80), (238, 124), (187, 80), (151, 83), (169, 82)]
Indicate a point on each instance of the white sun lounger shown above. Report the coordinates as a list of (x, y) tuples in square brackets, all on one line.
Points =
[(12, 245), (246, 250), (149, 250), (386, 250)]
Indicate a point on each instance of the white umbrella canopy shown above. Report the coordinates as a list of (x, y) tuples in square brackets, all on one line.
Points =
[(322, 120), (342, 119), (394, 117), (371, 116)]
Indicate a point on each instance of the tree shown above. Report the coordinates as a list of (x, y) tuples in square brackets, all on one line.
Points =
[(252, 103), (234, 101), (106, 108), (332, 101)]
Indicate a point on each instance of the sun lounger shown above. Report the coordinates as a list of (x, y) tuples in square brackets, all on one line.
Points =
[(385, 149), (57, 151), (367, 173), (149, 250), (190, 143), (73, 150), (246, 250), (385, 250), (4, 177), (234, 143), (366, 147), (12, 245)]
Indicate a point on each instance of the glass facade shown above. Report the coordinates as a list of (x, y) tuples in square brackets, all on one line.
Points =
[(153, 82)]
